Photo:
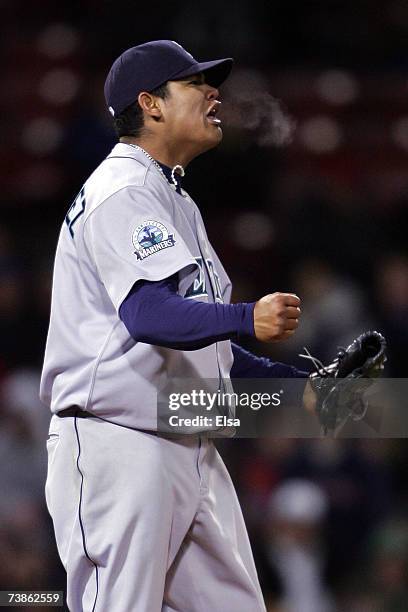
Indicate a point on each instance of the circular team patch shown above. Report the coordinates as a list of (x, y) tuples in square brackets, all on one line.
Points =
[(150, 237)]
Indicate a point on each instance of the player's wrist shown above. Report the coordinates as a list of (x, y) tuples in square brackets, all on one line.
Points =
[(246, 326), (309, 398)]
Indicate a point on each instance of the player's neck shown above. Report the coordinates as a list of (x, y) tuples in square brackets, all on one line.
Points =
[(159, 151)]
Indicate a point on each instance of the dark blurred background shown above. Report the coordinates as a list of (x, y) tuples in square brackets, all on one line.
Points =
[(324, 216)]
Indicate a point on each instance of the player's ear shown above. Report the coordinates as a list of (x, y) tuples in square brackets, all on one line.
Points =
[(150, 105)]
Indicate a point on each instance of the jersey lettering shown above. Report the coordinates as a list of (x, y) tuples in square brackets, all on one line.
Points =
[(198, 289), (76, 209), (215, 281)]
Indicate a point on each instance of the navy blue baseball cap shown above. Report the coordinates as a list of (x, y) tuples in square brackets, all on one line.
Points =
[(147, 66)]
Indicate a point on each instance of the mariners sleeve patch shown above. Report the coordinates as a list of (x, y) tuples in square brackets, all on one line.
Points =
[(151, 237)]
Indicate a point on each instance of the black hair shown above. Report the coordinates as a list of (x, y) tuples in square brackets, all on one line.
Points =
[(130, 121)]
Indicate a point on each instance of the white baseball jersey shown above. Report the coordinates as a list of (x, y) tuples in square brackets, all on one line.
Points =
[(126, 224)]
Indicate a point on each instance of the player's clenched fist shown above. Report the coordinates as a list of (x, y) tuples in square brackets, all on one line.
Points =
[(276, 316)]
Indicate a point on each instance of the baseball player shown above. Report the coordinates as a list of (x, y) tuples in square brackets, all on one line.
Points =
[(145, 522)]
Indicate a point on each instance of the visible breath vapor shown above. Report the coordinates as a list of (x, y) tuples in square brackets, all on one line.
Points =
[(262, 116)]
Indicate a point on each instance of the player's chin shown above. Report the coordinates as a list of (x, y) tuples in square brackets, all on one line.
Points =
[(210, 143), (213, 134)]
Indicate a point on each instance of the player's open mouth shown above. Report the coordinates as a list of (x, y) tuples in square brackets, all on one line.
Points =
[(211, 114)]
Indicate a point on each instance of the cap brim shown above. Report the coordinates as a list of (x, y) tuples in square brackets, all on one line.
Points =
[(216, 72)]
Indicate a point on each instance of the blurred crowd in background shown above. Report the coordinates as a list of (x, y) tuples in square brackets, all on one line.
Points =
[(321, 212)]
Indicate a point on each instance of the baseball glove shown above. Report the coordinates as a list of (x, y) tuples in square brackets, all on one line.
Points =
[(339, 387)]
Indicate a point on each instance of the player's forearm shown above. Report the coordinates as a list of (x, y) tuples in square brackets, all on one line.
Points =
[(155, 314), (247, 365)]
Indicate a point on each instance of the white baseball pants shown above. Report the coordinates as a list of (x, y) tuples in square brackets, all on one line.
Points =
[(145, 523)]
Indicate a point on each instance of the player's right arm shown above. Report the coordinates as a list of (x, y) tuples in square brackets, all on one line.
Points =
[(116, 237), (154, 313)]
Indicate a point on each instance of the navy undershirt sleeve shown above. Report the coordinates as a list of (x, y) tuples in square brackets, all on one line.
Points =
[(154, 313), (247, 365)]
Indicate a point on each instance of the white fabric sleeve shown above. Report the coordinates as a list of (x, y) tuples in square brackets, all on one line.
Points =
[(131, 237)]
